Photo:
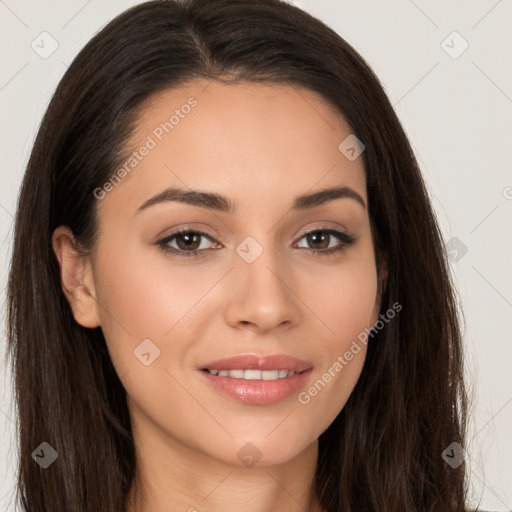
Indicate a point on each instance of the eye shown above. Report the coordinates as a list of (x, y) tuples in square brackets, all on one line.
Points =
[(321, 236), (188, 242)]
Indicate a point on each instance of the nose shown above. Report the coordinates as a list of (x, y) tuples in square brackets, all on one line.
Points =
[(262, 294)]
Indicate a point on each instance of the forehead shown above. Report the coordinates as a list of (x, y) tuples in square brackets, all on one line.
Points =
[(261, 109), (257, 140)]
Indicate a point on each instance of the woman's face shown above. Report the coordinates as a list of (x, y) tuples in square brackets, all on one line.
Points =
[(255, 285)]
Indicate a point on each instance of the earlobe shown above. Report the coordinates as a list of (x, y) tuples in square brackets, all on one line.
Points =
[(76, 278)]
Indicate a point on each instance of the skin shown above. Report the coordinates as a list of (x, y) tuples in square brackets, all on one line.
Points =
[(261, 145)]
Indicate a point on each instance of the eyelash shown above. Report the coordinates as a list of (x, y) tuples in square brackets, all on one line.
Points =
[(345, 239)]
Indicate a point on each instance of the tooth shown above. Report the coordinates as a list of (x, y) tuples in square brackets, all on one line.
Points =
[(252, 375)]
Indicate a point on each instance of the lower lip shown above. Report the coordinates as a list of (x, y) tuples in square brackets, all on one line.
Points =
[(258, 392)]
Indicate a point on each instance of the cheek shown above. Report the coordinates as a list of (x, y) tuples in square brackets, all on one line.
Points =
[(343, 296), (347, 309), (139, 301), (347, 303)]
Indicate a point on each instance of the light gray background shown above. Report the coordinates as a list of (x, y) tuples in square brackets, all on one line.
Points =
[(457, 113)]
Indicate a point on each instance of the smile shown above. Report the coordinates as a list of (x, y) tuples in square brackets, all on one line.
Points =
[(253, 374)]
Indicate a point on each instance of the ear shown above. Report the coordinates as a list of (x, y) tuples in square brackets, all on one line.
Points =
[(77, 279)]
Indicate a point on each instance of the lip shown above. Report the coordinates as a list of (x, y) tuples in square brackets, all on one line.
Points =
[(255, 362), (258, 392)]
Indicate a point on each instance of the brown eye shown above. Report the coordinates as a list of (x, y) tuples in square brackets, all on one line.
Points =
[(188, 242), (320, 240)]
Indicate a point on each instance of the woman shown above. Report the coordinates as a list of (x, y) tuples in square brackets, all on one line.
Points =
[(228, 287)]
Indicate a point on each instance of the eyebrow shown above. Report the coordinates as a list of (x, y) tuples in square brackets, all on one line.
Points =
[(224, 205)]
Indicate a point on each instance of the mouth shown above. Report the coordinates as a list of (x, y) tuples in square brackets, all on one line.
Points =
[(253, 374), (257, 380)]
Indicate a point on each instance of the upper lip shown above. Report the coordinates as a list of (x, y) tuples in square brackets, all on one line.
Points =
[(257, 362)]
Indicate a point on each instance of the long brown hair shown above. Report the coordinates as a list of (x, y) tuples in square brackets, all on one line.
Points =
[(383, 451)]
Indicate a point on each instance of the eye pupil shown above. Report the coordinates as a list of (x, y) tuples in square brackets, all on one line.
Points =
[(188, 237), (312, 236)]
